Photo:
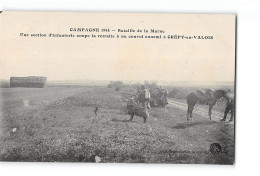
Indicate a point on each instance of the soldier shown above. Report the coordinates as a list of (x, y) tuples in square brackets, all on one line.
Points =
[(144, 97), (165, 93), (230, 106), (96, 109)]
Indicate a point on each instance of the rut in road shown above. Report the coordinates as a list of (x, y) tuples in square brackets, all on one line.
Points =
[(217, 116)]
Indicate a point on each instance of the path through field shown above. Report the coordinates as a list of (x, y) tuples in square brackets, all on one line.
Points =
[(216, 115)]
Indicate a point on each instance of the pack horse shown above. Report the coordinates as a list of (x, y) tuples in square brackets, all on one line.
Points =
[(207, 97)]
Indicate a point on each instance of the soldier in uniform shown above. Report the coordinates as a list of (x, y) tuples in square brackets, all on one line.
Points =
[(230, 106), (164, 94), (96, 110), (144, 97)]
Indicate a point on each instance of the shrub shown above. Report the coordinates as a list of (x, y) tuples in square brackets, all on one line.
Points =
[(114, 84), (118, 88), (178, 93)]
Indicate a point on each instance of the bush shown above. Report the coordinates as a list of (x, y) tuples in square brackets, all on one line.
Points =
[(114, 84), (118, 88), (178, 93), (151, 85)]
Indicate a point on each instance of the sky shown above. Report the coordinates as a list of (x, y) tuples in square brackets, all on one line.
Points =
[(119, 58)]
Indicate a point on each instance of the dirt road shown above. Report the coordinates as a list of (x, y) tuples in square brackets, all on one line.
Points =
[(202, 111)]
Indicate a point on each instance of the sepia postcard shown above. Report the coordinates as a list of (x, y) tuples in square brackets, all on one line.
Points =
[(117, 87)]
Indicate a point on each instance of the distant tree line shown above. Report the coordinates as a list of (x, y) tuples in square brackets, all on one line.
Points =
[(179, 92), (151, 84), (115, 84)]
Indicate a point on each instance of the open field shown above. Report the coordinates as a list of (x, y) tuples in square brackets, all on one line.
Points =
[(58, 124)]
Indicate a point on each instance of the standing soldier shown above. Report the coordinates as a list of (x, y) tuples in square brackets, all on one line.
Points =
[(165, 93), (230, 106), (96, 110), (144, 97)]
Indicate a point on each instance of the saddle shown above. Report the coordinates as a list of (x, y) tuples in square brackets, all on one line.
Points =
[(201, 93), (204, 96)]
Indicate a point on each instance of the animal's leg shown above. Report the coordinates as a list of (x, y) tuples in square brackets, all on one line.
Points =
[(188, 113), (144, 119), (131, 112), (191, 118), (190, 109), (210, 108), (132, 116)]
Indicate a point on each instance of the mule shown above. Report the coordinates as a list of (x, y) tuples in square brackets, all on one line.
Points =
[(135, 109), (138, 111)]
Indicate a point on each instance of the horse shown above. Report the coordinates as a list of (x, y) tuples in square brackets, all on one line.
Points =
[(209, 97), (230, 106), (134, 108)]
